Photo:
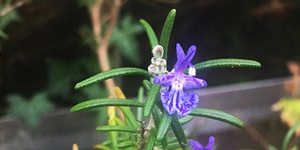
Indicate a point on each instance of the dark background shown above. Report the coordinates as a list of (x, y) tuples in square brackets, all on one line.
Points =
[(247, 29)]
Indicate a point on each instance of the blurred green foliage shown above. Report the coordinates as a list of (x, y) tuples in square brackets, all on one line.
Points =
[(29, 110)]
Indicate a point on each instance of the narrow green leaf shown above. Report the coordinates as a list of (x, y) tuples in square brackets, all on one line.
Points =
[(151, 99), (172, 145), (166, 32), (217, 115), (186, 119), (151, 140), (116, 128), (156, 117), (151, 35), (105, 102), (119, 121), (141, 100), (289, 135), (120, 139), (127, 144), (129, 116), (271, 147), (179, 133), (222, 63), (111, 74), (164, 125), (113, 135), (147, 85)]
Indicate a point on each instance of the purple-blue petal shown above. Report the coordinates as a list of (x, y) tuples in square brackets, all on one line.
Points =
[(191, 53), (180, 53), (211, 142), (192, 82), (195, 145), (164, 80), (176, 101)]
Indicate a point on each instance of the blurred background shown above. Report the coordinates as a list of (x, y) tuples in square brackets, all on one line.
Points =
[(47, 46)]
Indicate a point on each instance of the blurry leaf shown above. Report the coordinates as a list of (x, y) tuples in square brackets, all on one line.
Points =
[(290, 112), (8, 18), (105, 102), (186, 119), (120, 139), (151, 99), (88, 37), (289, 135), (127, 144), (63, 74), (217, 115), (151, 140), (3, 35), (139, 113), (124, 36), (116, 128), (99, 146), (150, 33), (166, 32), (222, 63), (111, 74), (157, 117), (271, 147), (29, 111)]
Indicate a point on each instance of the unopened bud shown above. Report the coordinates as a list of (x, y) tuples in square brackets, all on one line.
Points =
[(162, 62), (153, 60), (158, 51), (157, 63), (153, 69)]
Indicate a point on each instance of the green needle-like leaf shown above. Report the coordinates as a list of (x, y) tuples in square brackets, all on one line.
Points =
[(166, 32), (186, 119), (150, 33), (105, 102), (111, 74), (116, 128), (164, 125), (156, 117), (120, 139), (147, 85), (141, 100), (151, 140), (151, 99), (178, 131), (289, 135), (222, 63), (217, 115), (127, 144)]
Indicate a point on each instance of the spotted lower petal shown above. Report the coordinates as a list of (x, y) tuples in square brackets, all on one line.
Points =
[(192, 82), (195, 145), (179, 102), (164, 80)]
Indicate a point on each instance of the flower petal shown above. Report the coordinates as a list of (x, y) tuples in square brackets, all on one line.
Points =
[(192, 82), (191, 53), (195, 145), (180, 53), (187, 102), (167, 100), (164, 80), (211, 142)]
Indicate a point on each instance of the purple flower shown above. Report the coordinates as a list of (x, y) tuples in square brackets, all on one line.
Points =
[(197, 146), (175, 100)]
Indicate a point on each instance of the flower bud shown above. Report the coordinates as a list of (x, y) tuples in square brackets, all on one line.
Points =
[(153, 60), (157, 63), (158, 51), (153, 69), (162, 62)]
